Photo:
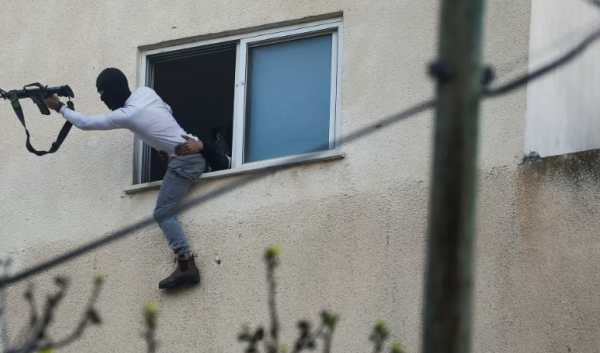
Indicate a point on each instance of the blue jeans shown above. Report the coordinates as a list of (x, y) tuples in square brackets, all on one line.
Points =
[(182, 171)]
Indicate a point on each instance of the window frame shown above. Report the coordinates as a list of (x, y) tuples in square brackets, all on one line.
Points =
[(243, 43)]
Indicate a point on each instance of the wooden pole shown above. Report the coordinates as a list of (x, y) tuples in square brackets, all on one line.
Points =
[(449, 271)]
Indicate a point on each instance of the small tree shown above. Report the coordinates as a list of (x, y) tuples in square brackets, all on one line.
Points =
[(35, 337), (308, 337)]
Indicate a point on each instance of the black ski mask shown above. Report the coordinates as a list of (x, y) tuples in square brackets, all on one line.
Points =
[(115, 86)]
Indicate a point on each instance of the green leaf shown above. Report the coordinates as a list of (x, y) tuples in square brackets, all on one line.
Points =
[(380, 327), (150, 308), (44, 350), (396, 348), (99, 278), (380, 333), (329, 319), (150, 314), (272, 253)]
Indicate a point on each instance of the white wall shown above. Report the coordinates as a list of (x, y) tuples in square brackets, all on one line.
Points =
[(352, 231), (563, 108)]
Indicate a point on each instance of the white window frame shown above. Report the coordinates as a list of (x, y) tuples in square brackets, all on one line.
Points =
[(244, 41)]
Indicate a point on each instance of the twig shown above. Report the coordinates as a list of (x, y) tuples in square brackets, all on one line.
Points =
[(252, 339), (272, 307), (39, 329), (32, 306), (379, 336), (33, 315), (90, 316), (38, 337), (272, 260), (307, 339), (150, 321), (327, 338), (330, 321)]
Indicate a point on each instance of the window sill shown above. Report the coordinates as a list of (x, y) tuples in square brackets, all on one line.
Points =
[(247, 168)]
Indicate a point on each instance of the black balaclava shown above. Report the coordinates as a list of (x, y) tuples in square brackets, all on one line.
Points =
[(116, 89)]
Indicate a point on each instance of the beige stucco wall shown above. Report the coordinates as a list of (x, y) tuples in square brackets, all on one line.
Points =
[(352, 231), (562, 108)]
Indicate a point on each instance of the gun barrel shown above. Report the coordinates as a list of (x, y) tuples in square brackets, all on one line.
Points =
[(61, 91)]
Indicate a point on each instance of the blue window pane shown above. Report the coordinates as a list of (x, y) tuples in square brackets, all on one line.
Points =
[(288, 98)]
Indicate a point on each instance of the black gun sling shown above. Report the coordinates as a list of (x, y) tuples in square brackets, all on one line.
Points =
[(61, 135)]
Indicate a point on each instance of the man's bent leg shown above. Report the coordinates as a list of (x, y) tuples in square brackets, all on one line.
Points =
[(172, 192), (182, 171)]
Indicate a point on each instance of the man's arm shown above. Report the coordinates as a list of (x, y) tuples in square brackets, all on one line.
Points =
[(190, 146), (216, 159), (114, 120), (110, 121)]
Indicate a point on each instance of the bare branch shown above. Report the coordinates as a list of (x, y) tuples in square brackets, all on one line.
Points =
[(33, 315), (39, 329), (90, 316), (272, 259), (307, 339), (32, 306), (327, 338), (330, 321), (251, 339), (38, 337)]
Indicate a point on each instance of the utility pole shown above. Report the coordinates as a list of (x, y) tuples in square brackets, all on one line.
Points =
[(449, 271)]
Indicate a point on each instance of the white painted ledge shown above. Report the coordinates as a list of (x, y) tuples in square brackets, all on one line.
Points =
[(249, 167)]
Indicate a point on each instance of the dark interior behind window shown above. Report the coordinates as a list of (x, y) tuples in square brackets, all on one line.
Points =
[(200, 90)]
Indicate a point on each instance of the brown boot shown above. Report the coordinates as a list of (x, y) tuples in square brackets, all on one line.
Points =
[(186, 272)]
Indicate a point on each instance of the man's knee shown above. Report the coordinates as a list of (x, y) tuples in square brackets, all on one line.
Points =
[(160, 215)]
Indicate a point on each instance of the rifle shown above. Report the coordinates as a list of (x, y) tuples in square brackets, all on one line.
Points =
[(38, 95)]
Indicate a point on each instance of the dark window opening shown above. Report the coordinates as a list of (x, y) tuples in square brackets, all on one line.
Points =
[(199, 87)]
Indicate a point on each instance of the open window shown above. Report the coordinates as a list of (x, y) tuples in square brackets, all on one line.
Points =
[(269, 97)]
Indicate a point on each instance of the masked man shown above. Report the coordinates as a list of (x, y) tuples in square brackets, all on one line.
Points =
[(145, 114)]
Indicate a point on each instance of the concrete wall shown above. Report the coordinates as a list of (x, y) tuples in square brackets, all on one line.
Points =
[(563, 109), (352, 230)]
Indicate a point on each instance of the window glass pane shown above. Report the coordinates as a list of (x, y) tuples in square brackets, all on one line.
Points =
[(288, 98)]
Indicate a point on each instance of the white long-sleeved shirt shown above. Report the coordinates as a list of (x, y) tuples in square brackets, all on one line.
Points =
[(145, 114)]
